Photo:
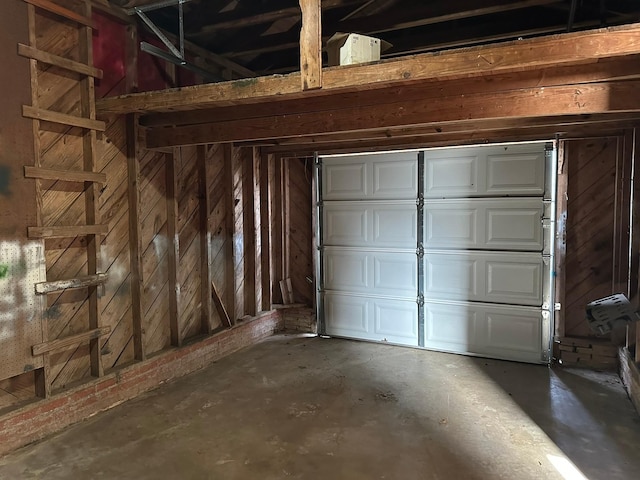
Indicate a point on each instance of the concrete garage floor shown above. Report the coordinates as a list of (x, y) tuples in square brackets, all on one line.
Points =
[(312, 408)]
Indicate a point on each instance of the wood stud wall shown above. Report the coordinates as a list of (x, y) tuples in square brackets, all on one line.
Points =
[(175, 222)]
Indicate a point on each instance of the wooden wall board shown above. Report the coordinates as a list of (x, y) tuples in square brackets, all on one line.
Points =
[(155, 244), (238, 233), (300, 228), (591, 213), (248, 230)]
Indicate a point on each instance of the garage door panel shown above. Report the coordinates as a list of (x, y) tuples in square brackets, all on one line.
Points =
[(514, 228), (392, 274), (506, 278), (452, 276), (345, 181), (371, 224), (513, 174), (346, 225), (513, 333), (514, 282), (485, 224), (369, 318), (347, 271), (457, 176), (512, 170), (396, 322), (347, 316), (395, 179), (395, 226), (371, 177), (451, 226), (395, 274)]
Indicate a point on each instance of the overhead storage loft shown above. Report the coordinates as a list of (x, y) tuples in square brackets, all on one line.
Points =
[(182, 179)]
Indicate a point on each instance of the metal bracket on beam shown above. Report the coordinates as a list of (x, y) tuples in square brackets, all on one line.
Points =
[(176, 54)]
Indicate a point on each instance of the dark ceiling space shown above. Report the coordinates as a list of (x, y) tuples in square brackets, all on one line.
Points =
[(262, 35)]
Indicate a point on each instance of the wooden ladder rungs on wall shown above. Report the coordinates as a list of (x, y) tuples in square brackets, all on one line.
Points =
[(62, 118), (43, 288), (65, 342), (60, 62), (62, 12), (64, 175), (67, 231)]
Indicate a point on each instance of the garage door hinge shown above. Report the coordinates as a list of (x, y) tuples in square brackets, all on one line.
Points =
[(420, 250), (420, 201), (420, 300)]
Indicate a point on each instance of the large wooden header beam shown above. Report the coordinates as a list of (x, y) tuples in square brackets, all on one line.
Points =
[(557, 50)]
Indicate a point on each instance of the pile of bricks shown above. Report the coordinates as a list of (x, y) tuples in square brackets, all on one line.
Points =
[(591, 353)]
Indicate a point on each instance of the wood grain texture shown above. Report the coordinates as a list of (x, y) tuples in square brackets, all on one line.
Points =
[(311, 45), (554, 50), (589, 267)]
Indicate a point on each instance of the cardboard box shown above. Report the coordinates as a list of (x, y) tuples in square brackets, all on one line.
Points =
[(351, 48)]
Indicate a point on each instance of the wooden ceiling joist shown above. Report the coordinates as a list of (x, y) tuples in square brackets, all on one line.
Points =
[(535, 102), (557, 50)]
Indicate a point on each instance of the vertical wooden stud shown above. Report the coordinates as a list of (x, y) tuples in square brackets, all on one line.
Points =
[(311, 44), (265, 247), (135, 236), (248, 232), (205, 239), (174, 247), (275, 205), (561, 238), (230, 278), (42, 376), (91, 191)]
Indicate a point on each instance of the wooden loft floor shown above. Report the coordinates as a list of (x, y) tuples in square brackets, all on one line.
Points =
[(561, 83)]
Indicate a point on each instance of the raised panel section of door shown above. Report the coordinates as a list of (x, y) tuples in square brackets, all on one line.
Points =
[(396, 321), (396, 179), (451, 225), (450, 327), (452, 276), (395, 274), (390, 274), (451, 176), (509, 332), (348, 316), (514, 279), (345, 224), (514, 224), (515, 330), (346, 270), (516, 173), (344, 181), (508, 278), (394, 226)]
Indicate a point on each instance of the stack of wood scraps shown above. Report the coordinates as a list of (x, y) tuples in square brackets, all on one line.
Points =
[(589, 353)]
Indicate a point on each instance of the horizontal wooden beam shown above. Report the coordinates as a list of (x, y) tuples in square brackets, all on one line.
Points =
[(43, 288), (64, 175), (67, 231), (463, 137), (57, 61), (624, 68), (555, 50), (70, 341), (61, 11), (62, 118), (579, 100)]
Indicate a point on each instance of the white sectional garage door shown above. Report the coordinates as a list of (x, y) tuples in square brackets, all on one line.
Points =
[(447, 249)]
